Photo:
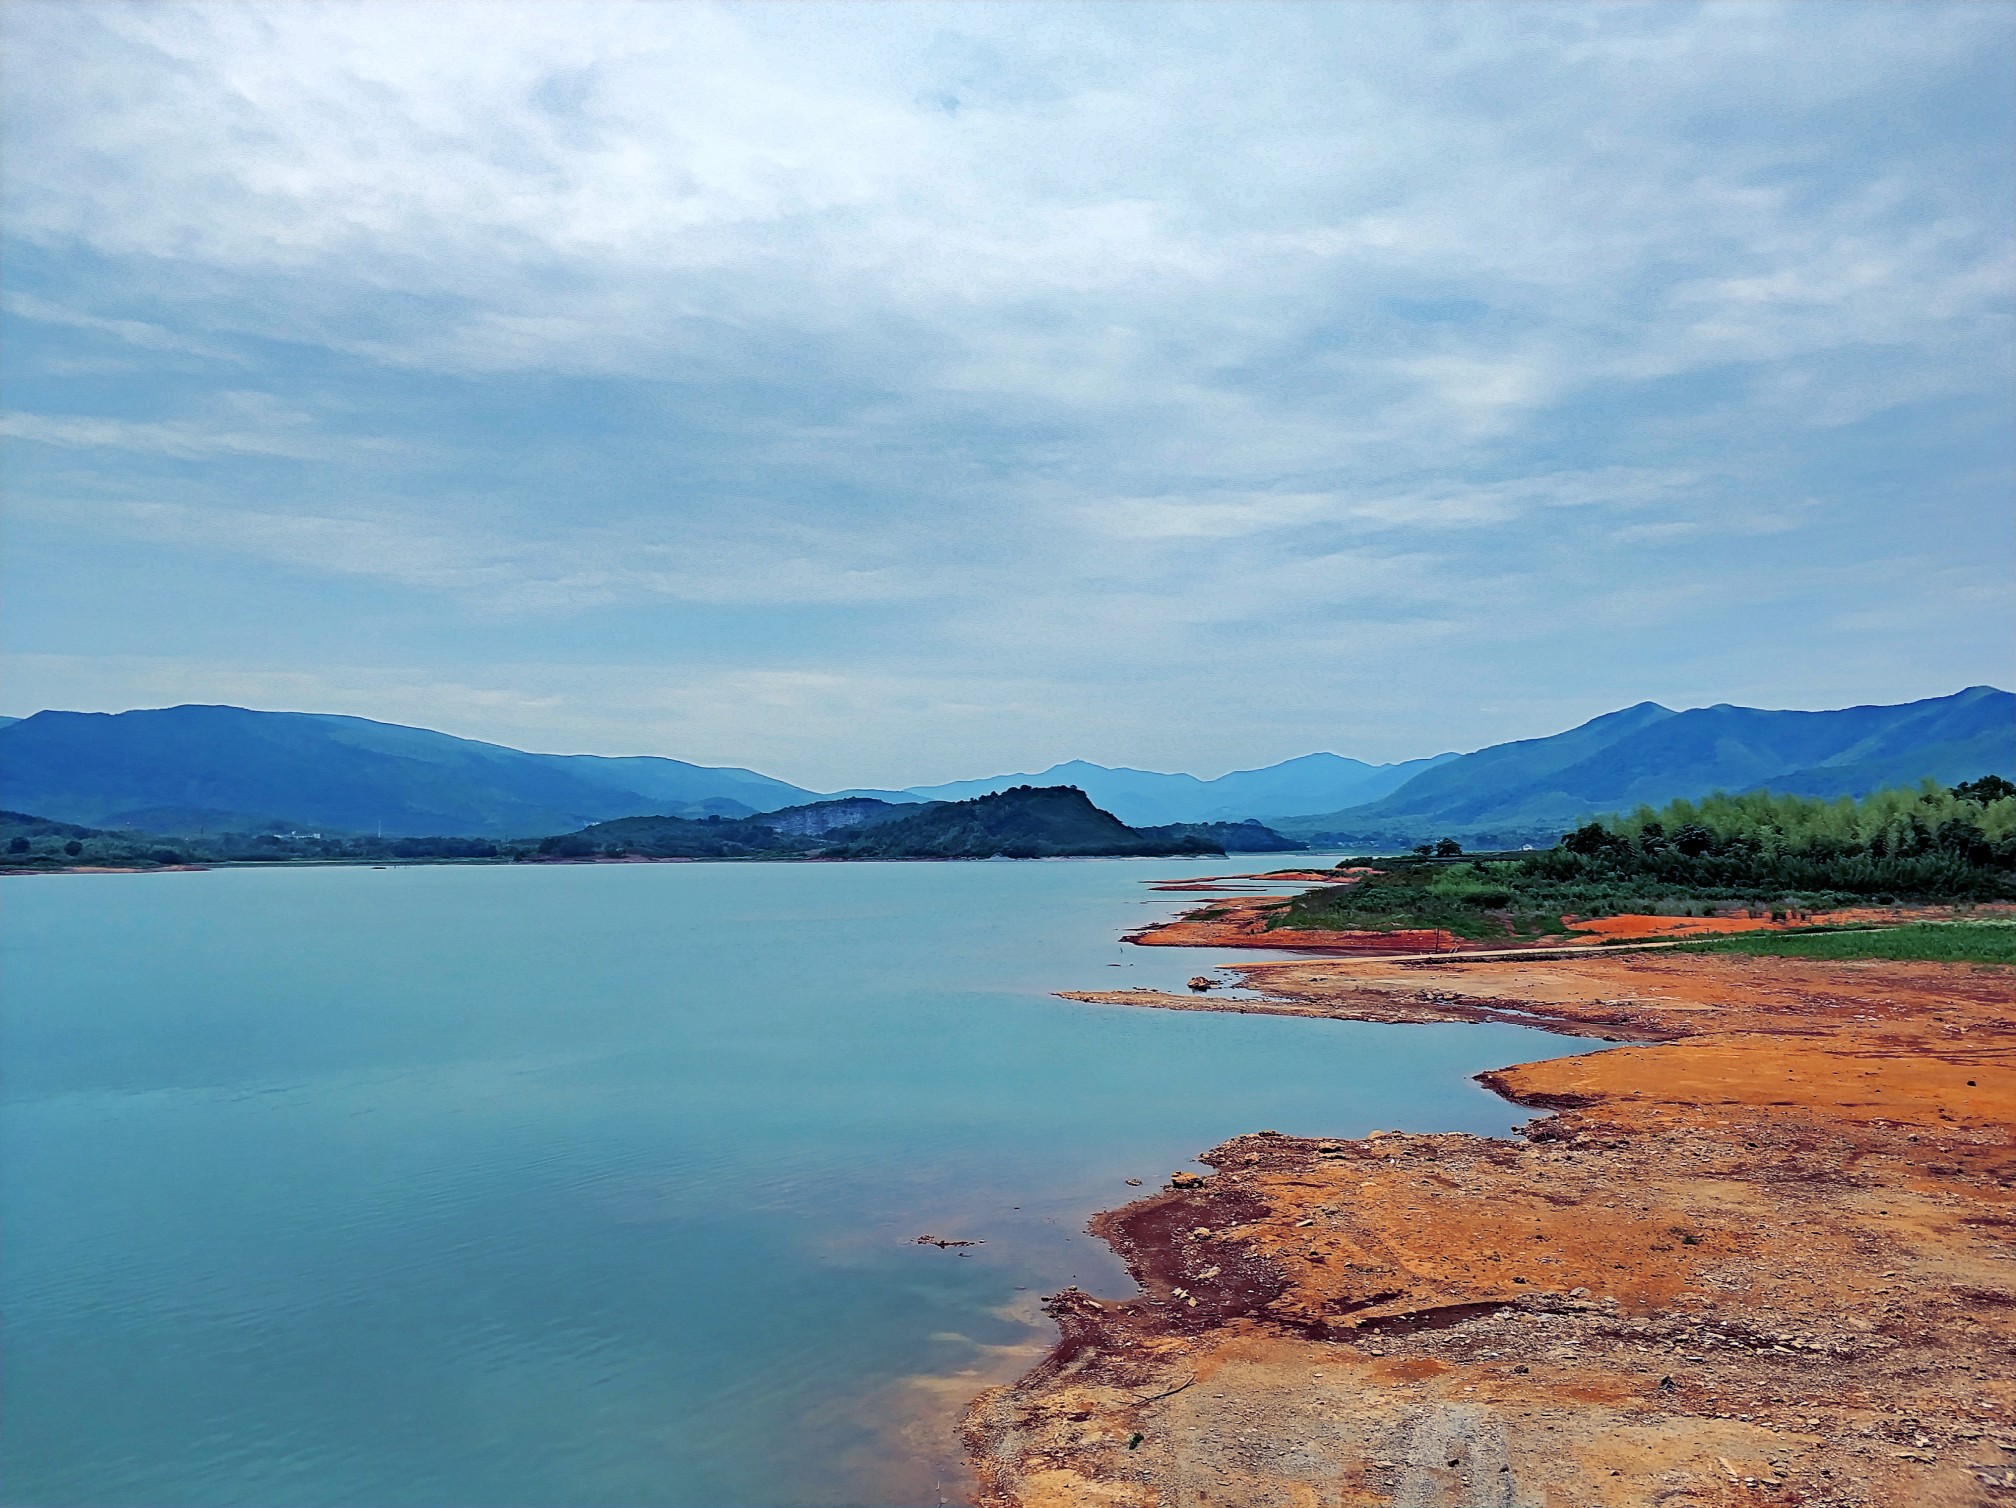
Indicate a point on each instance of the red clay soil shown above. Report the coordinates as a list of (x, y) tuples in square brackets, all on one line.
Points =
[(1240, 921), (1765, 1255)]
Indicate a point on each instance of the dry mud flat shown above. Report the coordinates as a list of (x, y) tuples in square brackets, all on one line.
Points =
[(1766, 1255)]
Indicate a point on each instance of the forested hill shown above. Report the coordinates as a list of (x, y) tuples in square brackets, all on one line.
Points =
[(1023, 822), (1532, 790)]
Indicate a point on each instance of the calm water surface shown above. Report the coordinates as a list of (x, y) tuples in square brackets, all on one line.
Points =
[(528, 1187)]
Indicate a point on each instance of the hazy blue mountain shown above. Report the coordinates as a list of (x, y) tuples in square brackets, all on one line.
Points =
[(1534, 789), (1149, 797), (1285, 786), (341, 773), (212, 769)]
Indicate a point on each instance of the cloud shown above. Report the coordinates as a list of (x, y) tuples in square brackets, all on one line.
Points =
[(170, 438), (135, 332), (1347, 356), (501, 571)]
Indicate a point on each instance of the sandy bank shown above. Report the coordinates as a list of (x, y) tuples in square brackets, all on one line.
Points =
[(1764, 1254)]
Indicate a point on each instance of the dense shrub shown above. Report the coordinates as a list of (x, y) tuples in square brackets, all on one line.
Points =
[(1761, 853)]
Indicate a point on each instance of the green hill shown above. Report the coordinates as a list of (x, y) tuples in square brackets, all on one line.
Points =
[(674, 838), (1249, 836), (1023, 822)]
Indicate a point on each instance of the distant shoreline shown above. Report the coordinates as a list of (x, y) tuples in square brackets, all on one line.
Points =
[(7, 871)]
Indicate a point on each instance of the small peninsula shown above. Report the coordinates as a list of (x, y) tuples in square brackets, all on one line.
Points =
[(1758, 1254)]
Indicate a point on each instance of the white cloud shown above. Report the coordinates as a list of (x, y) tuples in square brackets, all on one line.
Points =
[(151, 337), (1053, 338), (170, 438)]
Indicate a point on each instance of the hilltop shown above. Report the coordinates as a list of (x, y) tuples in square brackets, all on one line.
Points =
[(1024, 822)]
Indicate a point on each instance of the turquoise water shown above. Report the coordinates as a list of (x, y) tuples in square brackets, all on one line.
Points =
[(592, 1185)]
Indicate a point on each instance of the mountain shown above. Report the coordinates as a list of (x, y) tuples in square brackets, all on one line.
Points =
[(197, 767), (1534, 789), (209, 770), (820, 817), (1024, 822), (675, 838), (1234, 837), (1148, 797)]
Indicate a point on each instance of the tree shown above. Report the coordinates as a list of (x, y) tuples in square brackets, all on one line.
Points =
[(73, 848), (1694, 840), (1590, 838), (1988, 788), (1448, 848), (17, 845)]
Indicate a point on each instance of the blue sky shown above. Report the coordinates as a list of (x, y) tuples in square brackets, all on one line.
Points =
[(882, 394)]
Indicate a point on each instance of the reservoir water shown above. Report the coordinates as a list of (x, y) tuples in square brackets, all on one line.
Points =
[(594, 1186)]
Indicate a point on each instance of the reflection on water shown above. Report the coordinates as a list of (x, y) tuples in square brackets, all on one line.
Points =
[(594, 1184)]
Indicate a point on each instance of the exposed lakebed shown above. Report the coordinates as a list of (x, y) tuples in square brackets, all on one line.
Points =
[(596, 1185)]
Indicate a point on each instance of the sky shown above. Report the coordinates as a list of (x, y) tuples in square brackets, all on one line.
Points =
[(877, 394)]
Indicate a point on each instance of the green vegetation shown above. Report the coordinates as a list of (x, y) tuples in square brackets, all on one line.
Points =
[(672, 838), (1935, 942), (1755, 854), (1927, 844), (1474, 900), (28, 842)]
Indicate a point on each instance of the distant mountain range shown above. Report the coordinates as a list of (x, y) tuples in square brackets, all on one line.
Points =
[(1534, 789), (1314, 782), (187, 769), (198, 768), (1023, 822)]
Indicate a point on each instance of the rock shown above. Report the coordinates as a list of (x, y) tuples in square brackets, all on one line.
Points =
[(1181, 1180)]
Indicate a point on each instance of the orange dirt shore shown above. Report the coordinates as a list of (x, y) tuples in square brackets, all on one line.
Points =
[(1241, 921), (1765, 1254)]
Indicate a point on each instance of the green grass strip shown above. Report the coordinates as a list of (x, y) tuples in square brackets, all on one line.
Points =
[(1926, 942)]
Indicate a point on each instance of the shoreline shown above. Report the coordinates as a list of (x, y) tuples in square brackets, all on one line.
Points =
[(545, 862), (1764, 1251)]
